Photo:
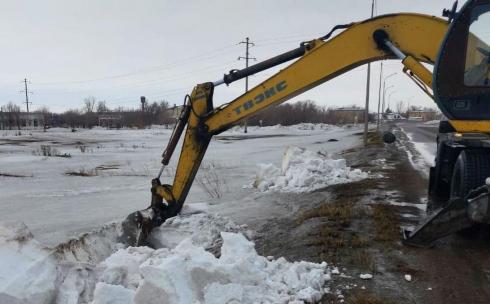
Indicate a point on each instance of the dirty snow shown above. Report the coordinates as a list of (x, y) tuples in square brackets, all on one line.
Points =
[(304, 170), (181, 273)]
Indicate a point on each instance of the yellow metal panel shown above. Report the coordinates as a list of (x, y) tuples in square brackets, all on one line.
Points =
[(471, 126), (193, 148), (419, 70), (417, 35)]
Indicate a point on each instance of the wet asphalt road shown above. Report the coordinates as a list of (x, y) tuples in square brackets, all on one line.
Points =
[(421, 133)]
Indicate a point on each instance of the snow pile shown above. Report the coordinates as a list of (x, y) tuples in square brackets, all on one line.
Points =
[(197, 262), (27, 270), (304, 170), (189, 274), (203, 229)]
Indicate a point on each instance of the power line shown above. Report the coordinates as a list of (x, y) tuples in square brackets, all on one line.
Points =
[(145, 83), (202, 57)]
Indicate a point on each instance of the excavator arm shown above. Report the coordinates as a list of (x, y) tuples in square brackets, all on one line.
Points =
[(413, 38)]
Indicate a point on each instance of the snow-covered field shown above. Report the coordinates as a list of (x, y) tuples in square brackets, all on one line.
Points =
[(56, 206), (197, 257)]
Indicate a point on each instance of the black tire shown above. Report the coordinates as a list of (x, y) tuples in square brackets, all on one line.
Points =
[(470, 171)]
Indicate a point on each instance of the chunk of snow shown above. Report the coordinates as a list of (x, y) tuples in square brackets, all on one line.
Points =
[(202, 228), (188, 274), (366, 276), (217, 293), (112, 294), (304, 170), (408, 278), (27, 268)]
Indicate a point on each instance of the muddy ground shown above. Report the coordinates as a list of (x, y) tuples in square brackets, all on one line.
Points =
[(356, 227)]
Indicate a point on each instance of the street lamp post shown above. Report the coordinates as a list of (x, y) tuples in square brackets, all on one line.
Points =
[(384, 97), (384, 93), (389, 98)]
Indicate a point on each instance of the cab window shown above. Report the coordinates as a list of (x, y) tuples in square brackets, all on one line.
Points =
[(478, 49)]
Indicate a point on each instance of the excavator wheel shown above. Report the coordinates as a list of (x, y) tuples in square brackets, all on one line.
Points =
[(470, 172)]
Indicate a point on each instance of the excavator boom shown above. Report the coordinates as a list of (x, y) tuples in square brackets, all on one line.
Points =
[(413, 38)]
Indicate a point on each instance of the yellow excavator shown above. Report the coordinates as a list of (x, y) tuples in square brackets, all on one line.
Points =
[(457, 47)]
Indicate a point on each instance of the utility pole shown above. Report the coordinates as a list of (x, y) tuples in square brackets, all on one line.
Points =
[(379, 94), (27, 102), (247, 57), (368, 82)]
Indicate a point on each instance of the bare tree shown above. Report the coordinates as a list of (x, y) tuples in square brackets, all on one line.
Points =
[(89, 104), (400, 106), (13, 115), (46, 114), (90, 119), (72, 117), (102, 107)]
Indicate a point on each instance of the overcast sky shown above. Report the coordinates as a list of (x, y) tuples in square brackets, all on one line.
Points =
[(118, 50)]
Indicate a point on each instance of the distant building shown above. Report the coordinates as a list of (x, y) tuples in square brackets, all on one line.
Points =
[(393, 116), (349, 115), (422, 115), (16, 120), (174, 112), (110, 120)]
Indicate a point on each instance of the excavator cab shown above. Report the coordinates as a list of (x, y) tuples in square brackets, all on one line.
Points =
[(461, 79), (459, 188)]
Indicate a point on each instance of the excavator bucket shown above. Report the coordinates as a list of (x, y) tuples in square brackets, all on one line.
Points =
[(458, 214), (136, 227), (444, 221)]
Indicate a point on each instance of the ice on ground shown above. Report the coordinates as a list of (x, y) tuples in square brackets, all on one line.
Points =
[(304, 170), (182, 270)]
